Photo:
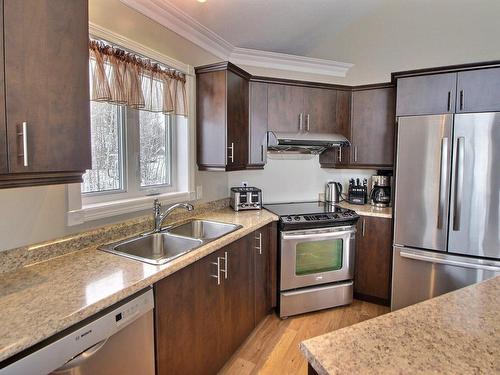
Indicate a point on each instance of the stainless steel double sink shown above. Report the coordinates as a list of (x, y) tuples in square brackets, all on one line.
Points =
[(170, 243)]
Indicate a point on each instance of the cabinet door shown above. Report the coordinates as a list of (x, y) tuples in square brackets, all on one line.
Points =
[(262, 273), (372, 274), (209, 349), (320, 109), (372, 127), (258, 124), (3, 129), (237, 121), (285, 108), (426, 95), (239, 294), (211, 119), (175, 315), (47, 85), (479, 90)]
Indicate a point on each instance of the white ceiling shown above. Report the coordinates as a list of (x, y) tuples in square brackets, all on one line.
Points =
[(286, 26), (377, 36)]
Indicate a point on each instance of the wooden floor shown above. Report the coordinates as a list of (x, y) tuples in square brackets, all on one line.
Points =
[(273, 347)]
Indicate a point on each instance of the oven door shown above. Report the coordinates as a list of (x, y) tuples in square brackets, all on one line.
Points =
[(317, 256)]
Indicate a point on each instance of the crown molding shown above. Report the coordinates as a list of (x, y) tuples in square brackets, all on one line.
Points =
[(283, 61), (101, 32), (171, 17)]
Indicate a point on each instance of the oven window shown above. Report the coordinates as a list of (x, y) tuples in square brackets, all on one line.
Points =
[(318, 256)]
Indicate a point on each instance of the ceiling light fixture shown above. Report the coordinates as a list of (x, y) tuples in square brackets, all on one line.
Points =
[(202, 1)]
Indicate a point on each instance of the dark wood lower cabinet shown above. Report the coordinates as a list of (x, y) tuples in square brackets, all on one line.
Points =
[(373, 264), (201, 319)]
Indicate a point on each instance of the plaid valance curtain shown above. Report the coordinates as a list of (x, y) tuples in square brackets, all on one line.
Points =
[(120, 77)]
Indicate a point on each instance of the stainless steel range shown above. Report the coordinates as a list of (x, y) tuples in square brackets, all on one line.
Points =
[(316, 256)]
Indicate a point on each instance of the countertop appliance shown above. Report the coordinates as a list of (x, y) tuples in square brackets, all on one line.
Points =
[(245, 198), (333, 192), (120, 341), (447, 207), (358, 192), (380, 195), (317, 242)]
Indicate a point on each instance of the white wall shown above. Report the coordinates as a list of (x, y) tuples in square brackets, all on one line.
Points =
[(294, 180)]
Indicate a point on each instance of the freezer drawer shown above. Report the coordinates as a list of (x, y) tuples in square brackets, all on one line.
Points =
[(419, 275)]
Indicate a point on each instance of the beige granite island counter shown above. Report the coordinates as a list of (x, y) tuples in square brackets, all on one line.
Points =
[(456, 333), (40, 300)]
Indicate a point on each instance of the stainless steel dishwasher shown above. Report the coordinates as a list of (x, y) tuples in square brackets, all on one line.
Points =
[(120, 341)]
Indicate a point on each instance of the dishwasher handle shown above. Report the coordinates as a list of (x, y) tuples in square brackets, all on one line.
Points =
[(82, 357)]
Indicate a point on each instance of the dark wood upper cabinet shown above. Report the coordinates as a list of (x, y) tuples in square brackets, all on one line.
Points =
[(320, 110), (46, 91), (222, 116), (426, 94), (258, 125), (285, 108), (372, 127), (478, 90), (373, 261)]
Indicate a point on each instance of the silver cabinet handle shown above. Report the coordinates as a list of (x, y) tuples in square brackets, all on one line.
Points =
[(224, 270), (300, 122), (442, 184), (261, 152), (355, 153), (459, 183), (462, 99), (449, 101), (24, 134), (308, 122), (218, 270), (340, 154), (259, 243), (448, 262), (231, 155), (364, 227)]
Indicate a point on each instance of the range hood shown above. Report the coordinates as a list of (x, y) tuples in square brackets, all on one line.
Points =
[(304, 143)]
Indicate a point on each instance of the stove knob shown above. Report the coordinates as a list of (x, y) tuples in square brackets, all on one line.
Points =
[(288, 218), (297, 218)]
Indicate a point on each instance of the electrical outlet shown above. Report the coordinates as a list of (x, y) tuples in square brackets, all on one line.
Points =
[(199, 192), (244, 183)]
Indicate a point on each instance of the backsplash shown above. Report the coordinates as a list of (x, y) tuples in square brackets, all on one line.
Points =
[(295, 180), (26, 255)]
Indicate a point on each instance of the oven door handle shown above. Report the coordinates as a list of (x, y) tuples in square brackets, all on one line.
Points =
[(343, 233)]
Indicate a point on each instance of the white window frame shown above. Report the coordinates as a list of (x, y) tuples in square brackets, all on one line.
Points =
[(108, 204)]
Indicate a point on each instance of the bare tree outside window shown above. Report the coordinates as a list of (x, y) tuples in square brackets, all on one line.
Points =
[(106, 172), (154, 160)]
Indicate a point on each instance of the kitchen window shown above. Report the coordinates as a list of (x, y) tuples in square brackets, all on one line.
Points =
[(140, 135)]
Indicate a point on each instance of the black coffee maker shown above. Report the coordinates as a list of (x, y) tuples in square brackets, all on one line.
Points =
[(380, 195)]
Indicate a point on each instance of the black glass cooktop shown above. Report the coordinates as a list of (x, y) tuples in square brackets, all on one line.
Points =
[(311, 214)]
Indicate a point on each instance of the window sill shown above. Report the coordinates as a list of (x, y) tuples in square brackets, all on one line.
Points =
[(119, 207)]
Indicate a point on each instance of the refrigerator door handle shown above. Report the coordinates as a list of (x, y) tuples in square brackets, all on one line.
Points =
[(442, 184), (459, 182), (448, 262)]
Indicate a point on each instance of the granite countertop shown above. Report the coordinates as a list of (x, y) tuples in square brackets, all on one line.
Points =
[(456, 333), (368, 210), (42, 299)]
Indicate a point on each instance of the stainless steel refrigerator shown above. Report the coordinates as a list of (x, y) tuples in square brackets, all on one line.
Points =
[(447, 204)]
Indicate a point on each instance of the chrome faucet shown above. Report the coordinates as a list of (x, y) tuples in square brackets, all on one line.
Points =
[(159, 217)]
